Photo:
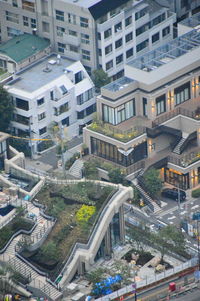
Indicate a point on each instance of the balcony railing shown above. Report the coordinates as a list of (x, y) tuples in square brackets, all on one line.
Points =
[(177, 111), (121, 135), (185, 160)]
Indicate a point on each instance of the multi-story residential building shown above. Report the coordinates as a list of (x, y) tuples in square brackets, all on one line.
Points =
[(54, 89), (98, 33), (182, 8), (152, 115), (3, 148)]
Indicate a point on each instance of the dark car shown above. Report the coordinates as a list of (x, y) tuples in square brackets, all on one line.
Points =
[(173, 194)]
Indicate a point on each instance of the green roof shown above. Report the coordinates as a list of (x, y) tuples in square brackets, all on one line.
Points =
[(23, 46)]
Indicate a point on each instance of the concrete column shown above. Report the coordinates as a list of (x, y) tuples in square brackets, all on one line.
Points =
[(198, 136), (122, 225)]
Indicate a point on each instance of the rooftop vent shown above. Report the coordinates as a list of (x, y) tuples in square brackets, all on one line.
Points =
[(47, 69), (52, 62)]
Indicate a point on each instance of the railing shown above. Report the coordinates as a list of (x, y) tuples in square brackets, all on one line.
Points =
[(187, 140), (177, 111), (185, 160)]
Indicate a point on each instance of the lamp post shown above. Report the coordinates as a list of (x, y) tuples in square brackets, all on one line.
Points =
[(133, 268)]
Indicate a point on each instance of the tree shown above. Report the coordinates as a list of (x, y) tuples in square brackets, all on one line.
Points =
[(96, 276), (116, 175), (100, 78), (6, 109), (90, 170), (139, 237), (49, 251), (153, 182)]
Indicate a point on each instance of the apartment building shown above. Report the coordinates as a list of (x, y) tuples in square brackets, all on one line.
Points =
[(182, 8), (151, 117), (54, 89), (3, 148), (101, 34)]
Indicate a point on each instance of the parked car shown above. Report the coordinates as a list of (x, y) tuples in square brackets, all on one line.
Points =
[(173, 194)]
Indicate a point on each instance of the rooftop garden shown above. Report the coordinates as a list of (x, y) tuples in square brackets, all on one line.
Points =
[(77, 208), (108, 130)]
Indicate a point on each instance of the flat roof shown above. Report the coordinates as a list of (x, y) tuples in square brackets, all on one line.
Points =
[(168, 52), (192, 21), (118, 84), (38, 75), (23, 46)]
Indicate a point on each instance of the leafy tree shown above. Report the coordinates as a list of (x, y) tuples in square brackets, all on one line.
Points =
[(90, 170), (85, 213), (139, 237), (49, 251), (96, 275), (100, 78), (153, 181), (123, 269), (116, 175), (6, 109)]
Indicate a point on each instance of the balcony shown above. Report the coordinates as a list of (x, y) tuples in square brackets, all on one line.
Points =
[(186, 159)]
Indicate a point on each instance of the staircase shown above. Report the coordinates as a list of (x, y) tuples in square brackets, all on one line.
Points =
[(76, 169), (177, 149)]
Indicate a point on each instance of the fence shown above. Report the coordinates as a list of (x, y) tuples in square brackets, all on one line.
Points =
[(150, 280)]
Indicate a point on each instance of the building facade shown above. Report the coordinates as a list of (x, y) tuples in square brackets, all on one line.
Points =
[(95, 32), (151, 117), (54, 89)]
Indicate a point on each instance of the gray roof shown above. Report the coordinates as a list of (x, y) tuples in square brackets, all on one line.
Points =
[(118, 84), (168, 52), (34, 77), (192, 21)]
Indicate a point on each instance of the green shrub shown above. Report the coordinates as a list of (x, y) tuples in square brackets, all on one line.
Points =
[(71, 161), (196, 193)]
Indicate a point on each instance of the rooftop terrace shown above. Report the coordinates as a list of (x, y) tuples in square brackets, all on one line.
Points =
[(168, 52), (40, 73), (192, 21)]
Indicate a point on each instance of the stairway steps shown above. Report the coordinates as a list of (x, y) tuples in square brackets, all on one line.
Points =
[(76, 169), (176, 150), (22, 268), (155, 206)]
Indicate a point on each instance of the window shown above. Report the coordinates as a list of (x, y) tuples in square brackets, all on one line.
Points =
[(102, 19), (141, 13), (30, 6), (128, 21), (129, 53), (144, 102), (51, 95), (109, 65), (158, 20), (42, 130), (142, 45), (99, 36), (80, 99), (119, 114), (41, 116), (91, 109), (129, 37), (33, 23), (21, 119), (142, 29), (85, 38), (63, 89), (60, 15), (166, 31), (84, 22), (118, 27), (60, 31), (99, 52), (119, 59), (107, 33), (73, 48), (83, 97), (72, 33), (88, 69), (72, 19), (65, 121), (85, 55), (155, 37), (12, 17), (12, 32), (88, 94), (14, 3), (182, 93), (118, 43), (25, 21), (61, 47), (108, 49), (78, 77), (160, 104), (40, 101), (22, 104), (45, 26)]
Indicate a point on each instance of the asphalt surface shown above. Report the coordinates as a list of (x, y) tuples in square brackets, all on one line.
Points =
[(194, 296)]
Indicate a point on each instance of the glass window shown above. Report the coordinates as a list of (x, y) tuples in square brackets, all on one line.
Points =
[(27, 5), (14, 3), (72, 33), (129, 53), (12, 17), (72, 19), (119, 59), (166, 31), (73, 48), (78, 77), (22, 104), (141, 13), (142, 45), (107, 33), (108, 49), (182, 93), (63, 89), (118, 27), (43, 130), (33, 23), (85, 55), (61, 47), (155, 37), (84, 22), (128, 21), (25, 21), (109, 65), (85, 38), (60, 31), (40, 101), (118, 43), (142, 29), (65, 121), (160, 104), (60, 15), (129, 37), (41, 116), (119, 114)]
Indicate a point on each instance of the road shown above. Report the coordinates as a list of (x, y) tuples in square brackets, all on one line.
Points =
[(194, 296)]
